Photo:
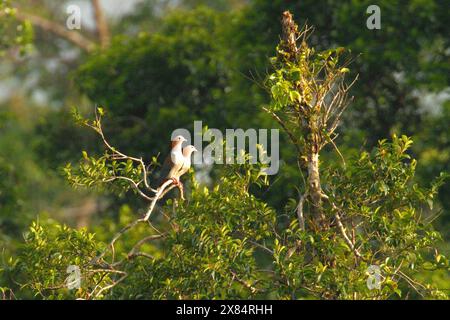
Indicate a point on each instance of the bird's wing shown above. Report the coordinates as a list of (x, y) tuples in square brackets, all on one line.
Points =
[(167, 166), (178, 162), (164, 171), (184, 167), (172, 164)]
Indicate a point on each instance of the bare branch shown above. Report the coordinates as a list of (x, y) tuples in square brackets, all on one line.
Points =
[(111, 285), (116, 154), (258, 245), (133, 184), (157, 196), (134, 251), (47, 25)]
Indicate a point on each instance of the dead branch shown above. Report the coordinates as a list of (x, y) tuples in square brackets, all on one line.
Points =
[(132, 183), (47, 25), (116, 154), (157, 196), (242, 282)]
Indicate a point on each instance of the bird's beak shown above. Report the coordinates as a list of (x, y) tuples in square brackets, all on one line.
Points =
[(194, 149), (184, 139)]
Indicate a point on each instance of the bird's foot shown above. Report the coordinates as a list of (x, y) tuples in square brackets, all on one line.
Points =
[(175, 181)]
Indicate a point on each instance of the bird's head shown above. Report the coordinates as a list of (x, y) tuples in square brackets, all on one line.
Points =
[(189, 150), (178, 140)]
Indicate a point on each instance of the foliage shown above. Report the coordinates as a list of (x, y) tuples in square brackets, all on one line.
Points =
[(46, 255), (226, 243), (241, 238), (388, 69), (12, 32), (385, 209), (434, 155), (213, 238), (364, 213), (25, 187), (15, 166), (160, 81), (196, 64), (232, 245)]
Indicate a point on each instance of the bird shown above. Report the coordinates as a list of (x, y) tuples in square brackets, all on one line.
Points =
[(187, 152), (173, 162)]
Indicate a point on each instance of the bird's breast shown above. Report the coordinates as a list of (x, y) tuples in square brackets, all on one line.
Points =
[(177, 158), (187, 164)]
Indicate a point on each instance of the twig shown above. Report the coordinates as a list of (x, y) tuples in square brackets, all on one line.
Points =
[(133, 184), (256, 244), (344, 234), (341, 227), (412, 283), (161, 192), (141, 254), (157, 196), (282, 124), (337, 150), (111, 285), (245, 284), (134, 251), (119, 155)]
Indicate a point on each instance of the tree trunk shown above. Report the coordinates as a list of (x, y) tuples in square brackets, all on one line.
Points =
[(315, 189), (101, 24), (47, 25)]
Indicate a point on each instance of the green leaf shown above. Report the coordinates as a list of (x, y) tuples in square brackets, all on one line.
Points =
[(295, 96)]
